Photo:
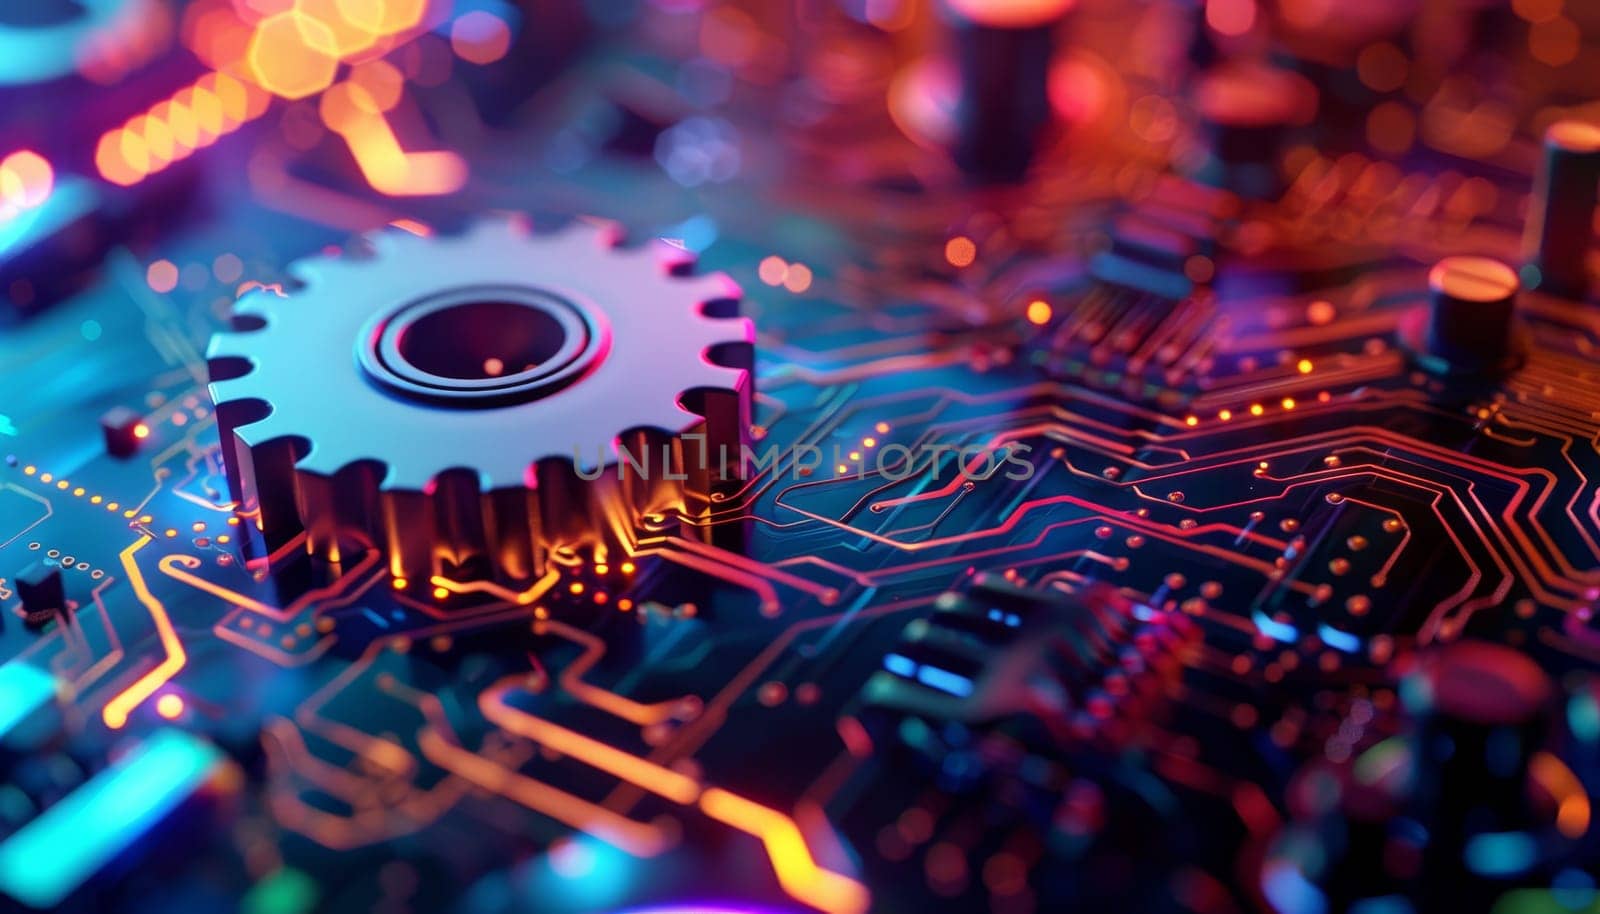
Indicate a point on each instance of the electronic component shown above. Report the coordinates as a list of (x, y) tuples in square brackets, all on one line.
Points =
[(531, 364), (1471, 306), (42, 593), (1562, 209), (123, 429), (1155, 469)]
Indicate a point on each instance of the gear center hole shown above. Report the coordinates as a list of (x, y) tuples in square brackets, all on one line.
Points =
[(481, 339)]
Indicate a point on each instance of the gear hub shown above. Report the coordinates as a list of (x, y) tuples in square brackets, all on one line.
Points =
[(469, 403)]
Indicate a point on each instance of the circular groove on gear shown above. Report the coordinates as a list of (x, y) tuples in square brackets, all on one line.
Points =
[(447, 347)]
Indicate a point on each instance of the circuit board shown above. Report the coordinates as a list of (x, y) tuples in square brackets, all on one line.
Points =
[(1164, 465)]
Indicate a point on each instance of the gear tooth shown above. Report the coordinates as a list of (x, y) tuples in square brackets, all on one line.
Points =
[(312, 270), (458, 524), (674, 260), (268, 428), (229, 391), (264, 463), (402, 513), (386, 242), (323, 460), (511, 524), (731, 330), (406, 475), (571, 508), (510, 467), (723, 378), (499, 225), (578, 236), (231, 345), (718, 292), (259, 304)]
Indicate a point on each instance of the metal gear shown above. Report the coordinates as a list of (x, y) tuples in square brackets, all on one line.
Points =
[(450, 399)]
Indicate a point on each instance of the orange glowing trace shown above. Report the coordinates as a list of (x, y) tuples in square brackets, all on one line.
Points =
[(290, 49), (193, 118), (115, 713), (960, 251), (388, 167)]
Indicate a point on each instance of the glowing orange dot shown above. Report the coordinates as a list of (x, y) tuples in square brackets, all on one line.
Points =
[(1303, 366), (869, 442), (480, 37), (960, 251), (798, 278), (439, 593), (1288, 402), (1039, 312), (169, 706), (25, 179), (1224, 414), (624, 604), (1257, 409), (141, 431), (627, 568), (772, 270), (162, 276), (602, 568), (1191, 421), (1231, 17), (576, 587), (881, 428)]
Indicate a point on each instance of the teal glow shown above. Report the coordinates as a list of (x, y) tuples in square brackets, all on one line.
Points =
[(1272, 628), (23, 690), (1583, 716), (1338, 640), (70, 199), (51, 856), (1500, 854), (33, 54)]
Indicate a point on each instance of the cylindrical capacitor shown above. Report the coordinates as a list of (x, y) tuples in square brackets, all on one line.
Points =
[(1481, 712), (1248, 110), (1472, 301), (1561, 212), (1002, 51)]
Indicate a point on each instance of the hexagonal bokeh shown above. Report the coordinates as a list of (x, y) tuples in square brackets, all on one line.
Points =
[(293, 55)]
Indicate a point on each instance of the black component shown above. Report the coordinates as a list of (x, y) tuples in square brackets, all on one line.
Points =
[(1561, 210), (1248, 112), (1004, 104), (1472, 303), (43, 595), (123, 429), (1482, 711)]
